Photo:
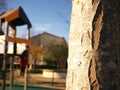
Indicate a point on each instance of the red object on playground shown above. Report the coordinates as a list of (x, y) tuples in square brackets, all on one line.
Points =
[(23, 61), (24, 58)]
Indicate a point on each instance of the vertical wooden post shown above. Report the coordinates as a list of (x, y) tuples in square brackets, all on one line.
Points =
[(1, 32), (4, 59), (53, 78), (11, 73), (12, 61), (0, 25), (26, 70)]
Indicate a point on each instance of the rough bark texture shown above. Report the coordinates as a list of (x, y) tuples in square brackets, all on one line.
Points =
[(94, 45)]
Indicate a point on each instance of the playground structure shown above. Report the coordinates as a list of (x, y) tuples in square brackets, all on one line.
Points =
[(13, 19)]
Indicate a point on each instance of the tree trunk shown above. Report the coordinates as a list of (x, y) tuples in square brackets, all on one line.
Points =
[(94, 45), (34, 62)]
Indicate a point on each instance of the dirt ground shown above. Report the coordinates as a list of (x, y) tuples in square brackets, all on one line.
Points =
[(39, 80)]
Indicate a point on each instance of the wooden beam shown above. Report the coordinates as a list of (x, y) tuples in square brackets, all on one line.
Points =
[(17, 40), (12, 15)]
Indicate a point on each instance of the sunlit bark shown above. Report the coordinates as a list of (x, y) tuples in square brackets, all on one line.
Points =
[(94, 45)]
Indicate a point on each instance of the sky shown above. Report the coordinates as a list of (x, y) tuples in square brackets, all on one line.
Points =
[(45, 15)]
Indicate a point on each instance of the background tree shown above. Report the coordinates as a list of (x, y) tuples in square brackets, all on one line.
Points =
[(58, 54), (36, 53)]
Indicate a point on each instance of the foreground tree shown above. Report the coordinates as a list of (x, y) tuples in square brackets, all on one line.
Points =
[(94, 45)]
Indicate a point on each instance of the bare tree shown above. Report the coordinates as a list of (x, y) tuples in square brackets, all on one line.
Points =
[(66, 17), (3, 6), (68, 1)]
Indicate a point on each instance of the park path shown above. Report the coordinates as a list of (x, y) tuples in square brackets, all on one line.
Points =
[(39, 80)]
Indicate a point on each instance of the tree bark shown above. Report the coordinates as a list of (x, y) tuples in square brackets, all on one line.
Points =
[(94, 45)]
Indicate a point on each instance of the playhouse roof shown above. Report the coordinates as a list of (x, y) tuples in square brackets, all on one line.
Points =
[(16, 17)]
